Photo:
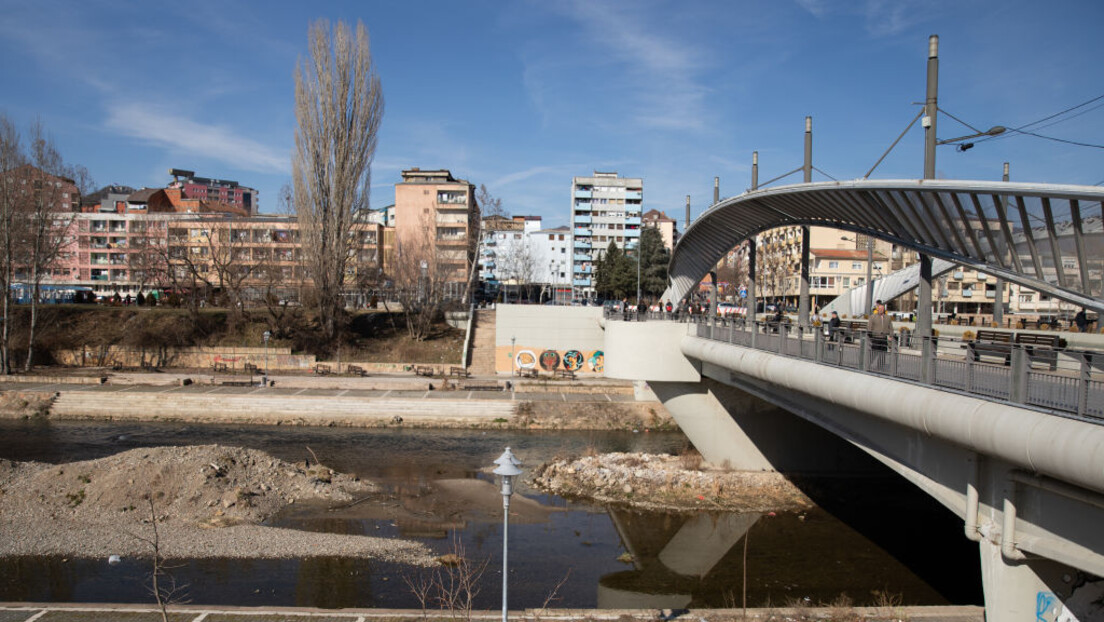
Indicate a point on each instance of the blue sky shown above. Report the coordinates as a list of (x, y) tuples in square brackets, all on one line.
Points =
[(522, 95)]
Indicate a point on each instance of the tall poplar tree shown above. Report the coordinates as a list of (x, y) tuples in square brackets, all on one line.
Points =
[(339, 106)]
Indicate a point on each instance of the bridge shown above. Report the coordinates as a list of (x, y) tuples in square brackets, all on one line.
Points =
[(1015, 451)]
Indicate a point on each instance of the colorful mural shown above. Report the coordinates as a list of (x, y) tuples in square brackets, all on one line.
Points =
[(525, 359), (549, 360), (509, 359), (597, 361)]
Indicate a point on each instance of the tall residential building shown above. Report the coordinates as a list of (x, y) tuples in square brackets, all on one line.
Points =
[(604, 208), (437, 222)]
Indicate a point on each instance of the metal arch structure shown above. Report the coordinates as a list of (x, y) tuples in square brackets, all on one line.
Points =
[(1046, 237)]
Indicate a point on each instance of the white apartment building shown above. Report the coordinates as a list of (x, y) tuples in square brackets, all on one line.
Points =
[(604, 208)]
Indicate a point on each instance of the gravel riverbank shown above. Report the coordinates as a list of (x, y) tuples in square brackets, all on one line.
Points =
[(209, 501), (661, 482)]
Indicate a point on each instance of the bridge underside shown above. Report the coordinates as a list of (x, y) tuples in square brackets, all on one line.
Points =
[(1046, 237), (1028, 486)]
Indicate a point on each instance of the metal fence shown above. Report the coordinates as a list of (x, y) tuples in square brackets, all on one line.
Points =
[(1071, 384)]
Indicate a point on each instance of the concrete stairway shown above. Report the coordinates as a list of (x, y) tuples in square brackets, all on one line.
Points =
[(483, 344), (218, 406)]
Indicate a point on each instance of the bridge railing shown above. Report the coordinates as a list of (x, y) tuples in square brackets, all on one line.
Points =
[(1070, 382), (1067, 384)]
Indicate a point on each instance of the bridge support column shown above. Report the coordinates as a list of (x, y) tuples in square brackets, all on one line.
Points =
[(803, 296), (707, 423), (1040, 590), (924, 318), (751, 303), (733, 428)]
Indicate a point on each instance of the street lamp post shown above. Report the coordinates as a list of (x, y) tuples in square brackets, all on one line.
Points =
[(638, 271), (508, 469), (267, 335)]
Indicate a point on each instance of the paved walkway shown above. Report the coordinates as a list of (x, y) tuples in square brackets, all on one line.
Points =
[(36, 612)]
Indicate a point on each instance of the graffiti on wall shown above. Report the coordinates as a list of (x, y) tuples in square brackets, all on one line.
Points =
[(551, 360)]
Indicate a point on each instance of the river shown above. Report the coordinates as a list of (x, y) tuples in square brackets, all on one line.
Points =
[(872, 536)]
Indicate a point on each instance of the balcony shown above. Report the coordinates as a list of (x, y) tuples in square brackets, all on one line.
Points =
[(583, 194), (581, 282), (580, 232), (582, 257), (583, 206), (581, 219), (634, 195), (586, 270), (583, 244), (633, 220), (632, 233)]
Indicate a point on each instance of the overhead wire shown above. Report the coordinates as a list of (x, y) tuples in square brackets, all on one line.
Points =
[(1048, 118)]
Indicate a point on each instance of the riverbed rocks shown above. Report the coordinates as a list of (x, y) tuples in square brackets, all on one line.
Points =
[(208, 501), (666, 482)]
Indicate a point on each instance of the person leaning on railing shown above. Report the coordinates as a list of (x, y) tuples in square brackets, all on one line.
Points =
[(879, 327)]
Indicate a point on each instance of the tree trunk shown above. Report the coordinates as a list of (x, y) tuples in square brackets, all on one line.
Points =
[(34, 318)]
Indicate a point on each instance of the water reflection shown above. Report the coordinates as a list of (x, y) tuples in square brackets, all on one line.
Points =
[(435, 490)]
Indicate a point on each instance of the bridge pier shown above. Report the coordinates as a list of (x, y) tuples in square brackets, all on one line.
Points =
[(732, 428), (1040, 590)]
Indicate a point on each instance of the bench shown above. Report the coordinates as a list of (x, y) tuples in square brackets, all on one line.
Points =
[(459, 372), (218, 366), (1041, 348), (991, 343), (249, 368), (564, 373), (356, 370), (526, 373), (322, 370), (481, 387), (424, 370), (235, 383)]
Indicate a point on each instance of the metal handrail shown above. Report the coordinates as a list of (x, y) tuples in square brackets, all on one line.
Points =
[(1067, 384)]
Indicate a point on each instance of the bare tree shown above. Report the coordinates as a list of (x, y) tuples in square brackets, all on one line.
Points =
[(11, 158), (489, 204), (519, 265), (773, 267), (419, 275), (232, 261), (49, 215), (338, 105)]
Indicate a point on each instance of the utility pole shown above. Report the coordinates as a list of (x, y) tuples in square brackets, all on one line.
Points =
[(931, 107), (931, 110), (998, 300), (803, 292)]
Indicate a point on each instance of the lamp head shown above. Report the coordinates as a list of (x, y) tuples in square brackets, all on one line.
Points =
[(508, 470)]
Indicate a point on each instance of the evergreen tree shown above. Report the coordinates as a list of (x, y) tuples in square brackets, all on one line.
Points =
[(654, 258), (615, 274)]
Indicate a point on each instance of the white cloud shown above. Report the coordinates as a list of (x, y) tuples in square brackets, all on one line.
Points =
[(815, 7), (641, 67), (528, 173), (157, 126)]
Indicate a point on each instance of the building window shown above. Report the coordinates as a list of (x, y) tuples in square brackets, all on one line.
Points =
[(833, 265), (856, 265)]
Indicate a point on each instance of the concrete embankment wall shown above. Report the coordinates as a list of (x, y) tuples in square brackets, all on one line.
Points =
[(278, 359)]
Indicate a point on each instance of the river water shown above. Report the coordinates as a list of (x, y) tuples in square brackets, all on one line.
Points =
[(872, 535)]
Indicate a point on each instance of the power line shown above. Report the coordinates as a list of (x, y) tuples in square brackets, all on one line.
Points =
[(1046, 118), (1059, 140)]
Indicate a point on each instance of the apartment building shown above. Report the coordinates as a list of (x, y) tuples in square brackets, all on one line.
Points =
[(214, 190), (437, 222), (667, 227), (605, 207)]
